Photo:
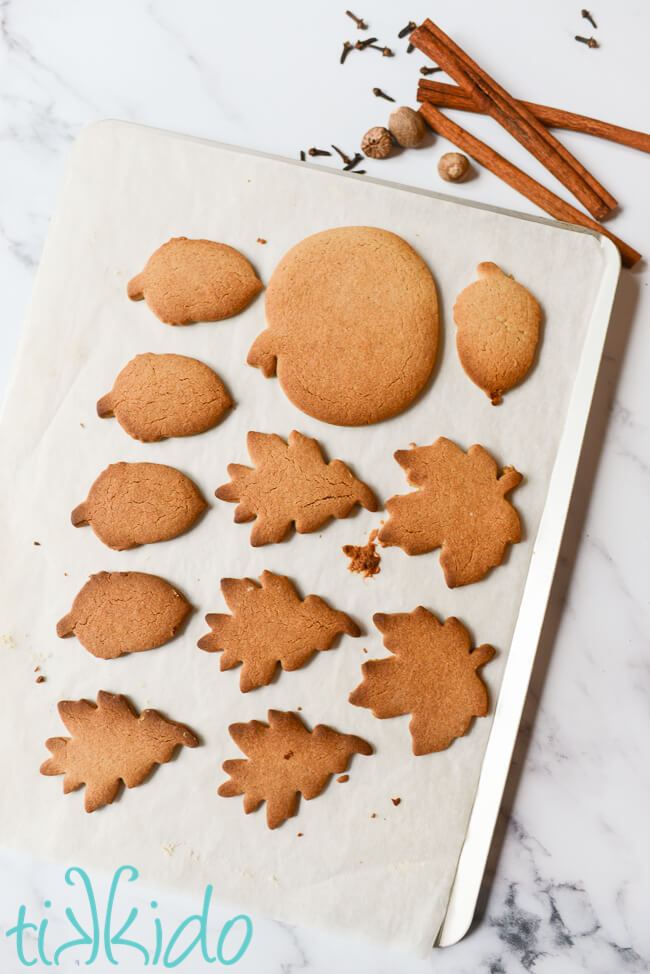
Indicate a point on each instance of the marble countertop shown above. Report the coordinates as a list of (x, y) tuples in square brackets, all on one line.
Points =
[(567, 884)]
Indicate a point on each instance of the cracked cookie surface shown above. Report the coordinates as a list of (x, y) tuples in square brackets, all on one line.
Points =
[(124, 612), (352, 319), (290, 483), (139, 503), (156, 396)]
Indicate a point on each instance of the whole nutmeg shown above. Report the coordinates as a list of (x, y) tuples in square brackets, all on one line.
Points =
[(377, 142), (407, 127), (453, 167)]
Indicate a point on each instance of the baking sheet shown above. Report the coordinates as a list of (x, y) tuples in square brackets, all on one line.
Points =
[(127, 190)]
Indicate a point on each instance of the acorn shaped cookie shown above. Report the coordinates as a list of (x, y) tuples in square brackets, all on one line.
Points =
[(498, 329), (195, 280)]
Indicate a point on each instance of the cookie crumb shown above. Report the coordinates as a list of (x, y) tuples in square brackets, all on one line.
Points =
[(36, 669), (396, 801), (364, 559), (8, 640), (38, 544), (300, 835), (365, 650), (298, 708), (40, 679), (374, 815), (168, 848), (261, 240), (343, 777)]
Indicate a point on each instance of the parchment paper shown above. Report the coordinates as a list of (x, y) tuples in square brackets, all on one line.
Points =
[(126, 191)]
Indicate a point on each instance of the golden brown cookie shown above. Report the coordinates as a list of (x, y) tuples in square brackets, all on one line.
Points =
[(352, 319), (195, 280), (285, 760), (139, 503), (156, 396), (290, 483), (498, 328), (270, 624), (124, 612), (459, 504), (111, 743), (431, 675)]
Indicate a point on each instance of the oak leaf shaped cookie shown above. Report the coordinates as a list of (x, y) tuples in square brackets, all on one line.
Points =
[(285, 760), (109, 743), (195, 280), (352, 316), (124, 612), (460, 504), (155, 396), (270, 624), (138, 503), (290, 483), (432, 675), (498, 328)]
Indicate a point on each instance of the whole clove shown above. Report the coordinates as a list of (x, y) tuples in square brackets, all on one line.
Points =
[(342, 154), (386, 51), (347, 47), (358, 20), (407, 30), (362, 45), (587, 15), (382, 94), (356, 159), (426, 71), (589, 41), (302, 155), (319, 152), (410, 48)]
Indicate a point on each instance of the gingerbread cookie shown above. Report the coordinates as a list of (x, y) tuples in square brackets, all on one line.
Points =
[(111, 743), (431, 675), (139, 503), (290, 483), (459, 504), (270, 624), (498, 328), (352, 331), (124, 612), (285, 760), (156, 396), (195, 280)]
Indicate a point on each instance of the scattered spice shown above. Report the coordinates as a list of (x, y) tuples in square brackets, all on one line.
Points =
[(302, 155), (354, 161), (319, 152), (288, 755), (343, 778), (342, 154), (426, 71), (407, 127), (453, 167), (38, 544), (347, 47), (359, 172), (589, 17), (386, 51), (407, 30), (362, 45), (260, 240), (377, 142), (358, 20), (396, 801), (589, 41), (364, 559), (410, 49), (378, 93), (40, 679)]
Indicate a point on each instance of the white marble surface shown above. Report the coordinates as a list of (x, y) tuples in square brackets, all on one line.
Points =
[(567, 885)]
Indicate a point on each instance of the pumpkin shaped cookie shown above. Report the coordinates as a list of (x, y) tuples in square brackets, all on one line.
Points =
[(498, 329), (352, 331), (195, 280)]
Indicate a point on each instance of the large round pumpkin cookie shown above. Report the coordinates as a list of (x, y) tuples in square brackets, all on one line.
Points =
[(352, 325)]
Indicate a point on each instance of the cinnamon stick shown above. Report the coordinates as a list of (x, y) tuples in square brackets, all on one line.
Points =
[(519, 180), (514, 117), (452, 96)]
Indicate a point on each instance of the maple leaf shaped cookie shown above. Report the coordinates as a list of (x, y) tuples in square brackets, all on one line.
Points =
[(460, 505), (285, 760), (432, 675), (109, 743), (291, 482), (270, 624)]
